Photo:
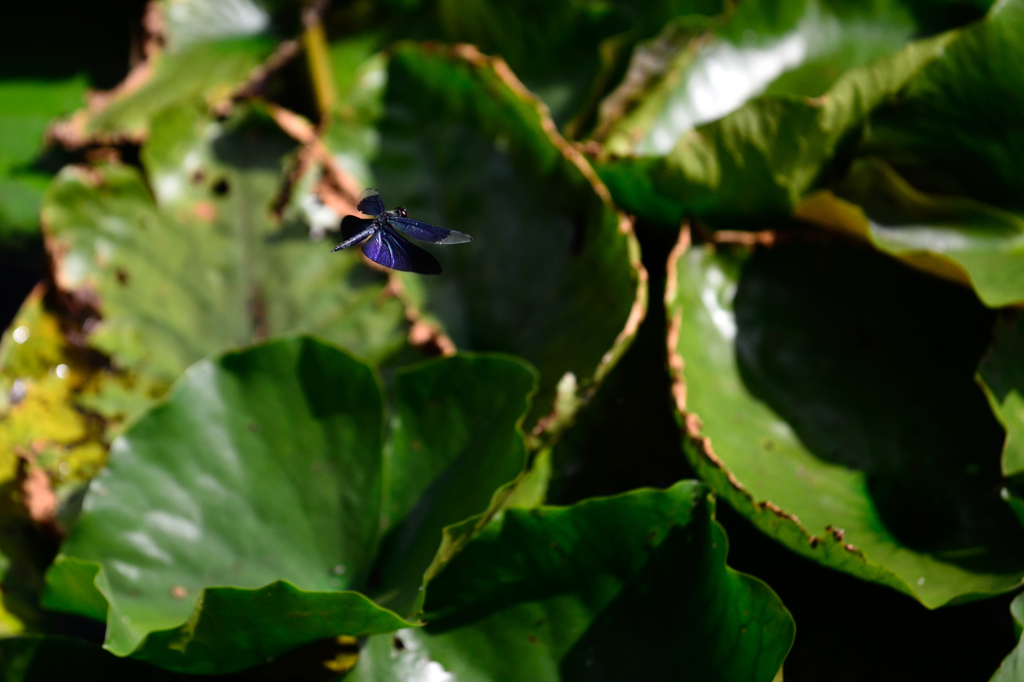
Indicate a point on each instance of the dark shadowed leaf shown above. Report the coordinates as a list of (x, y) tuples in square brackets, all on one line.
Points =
[(544, 594), (827, 393), (953, 237), (1001, 374), (1012, 668), (455, 443), (955, 129), (47, 659)]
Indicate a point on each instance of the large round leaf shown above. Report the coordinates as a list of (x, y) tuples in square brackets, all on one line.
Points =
[(255, 499), (545, 594), (455, 442), (453, 136), (553, 273), (828, 394), (264, 466)]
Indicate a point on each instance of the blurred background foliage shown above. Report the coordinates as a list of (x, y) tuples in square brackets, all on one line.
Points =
[(727, 386)]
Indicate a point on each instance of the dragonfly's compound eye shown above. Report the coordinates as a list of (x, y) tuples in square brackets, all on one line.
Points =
[(402, 213)]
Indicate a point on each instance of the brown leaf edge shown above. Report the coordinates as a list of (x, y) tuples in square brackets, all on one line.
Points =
[(571, 396), (828, 549), (37, 494), (72, 133)]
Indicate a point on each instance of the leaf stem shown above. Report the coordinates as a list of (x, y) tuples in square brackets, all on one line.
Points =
[(314, 39)]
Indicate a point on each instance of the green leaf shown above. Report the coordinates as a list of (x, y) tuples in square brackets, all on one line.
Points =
[(26, 109), (828, 395), (762, 158), (953, 237), (1012, 668), (543, 595), (955, 129), (263, 466), (255, 499), (695, 73), (553, 274), (1001, 375)]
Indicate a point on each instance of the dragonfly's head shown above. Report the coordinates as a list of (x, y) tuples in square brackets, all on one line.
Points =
[(401, 212)]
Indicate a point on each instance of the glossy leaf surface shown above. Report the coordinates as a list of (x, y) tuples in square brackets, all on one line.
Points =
[(1012, 668), (811, 387), (456, 444), (953, 237), (253, 499), (759, 160)]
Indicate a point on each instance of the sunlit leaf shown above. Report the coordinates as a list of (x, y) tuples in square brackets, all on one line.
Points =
[(697, 72), (761, 159), (256, 498)]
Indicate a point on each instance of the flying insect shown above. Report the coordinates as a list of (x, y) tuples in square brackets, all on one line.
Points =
[(384, 243)]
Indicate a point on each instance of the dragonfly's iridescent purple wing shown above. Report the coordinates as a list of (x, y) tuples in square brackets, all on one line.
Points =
[(354, 230), (392, 251), (428, 233), (370, 202)]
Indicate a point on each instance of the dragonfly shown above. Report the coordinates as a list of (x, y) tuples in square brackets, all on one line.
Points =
[(383, 238)]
